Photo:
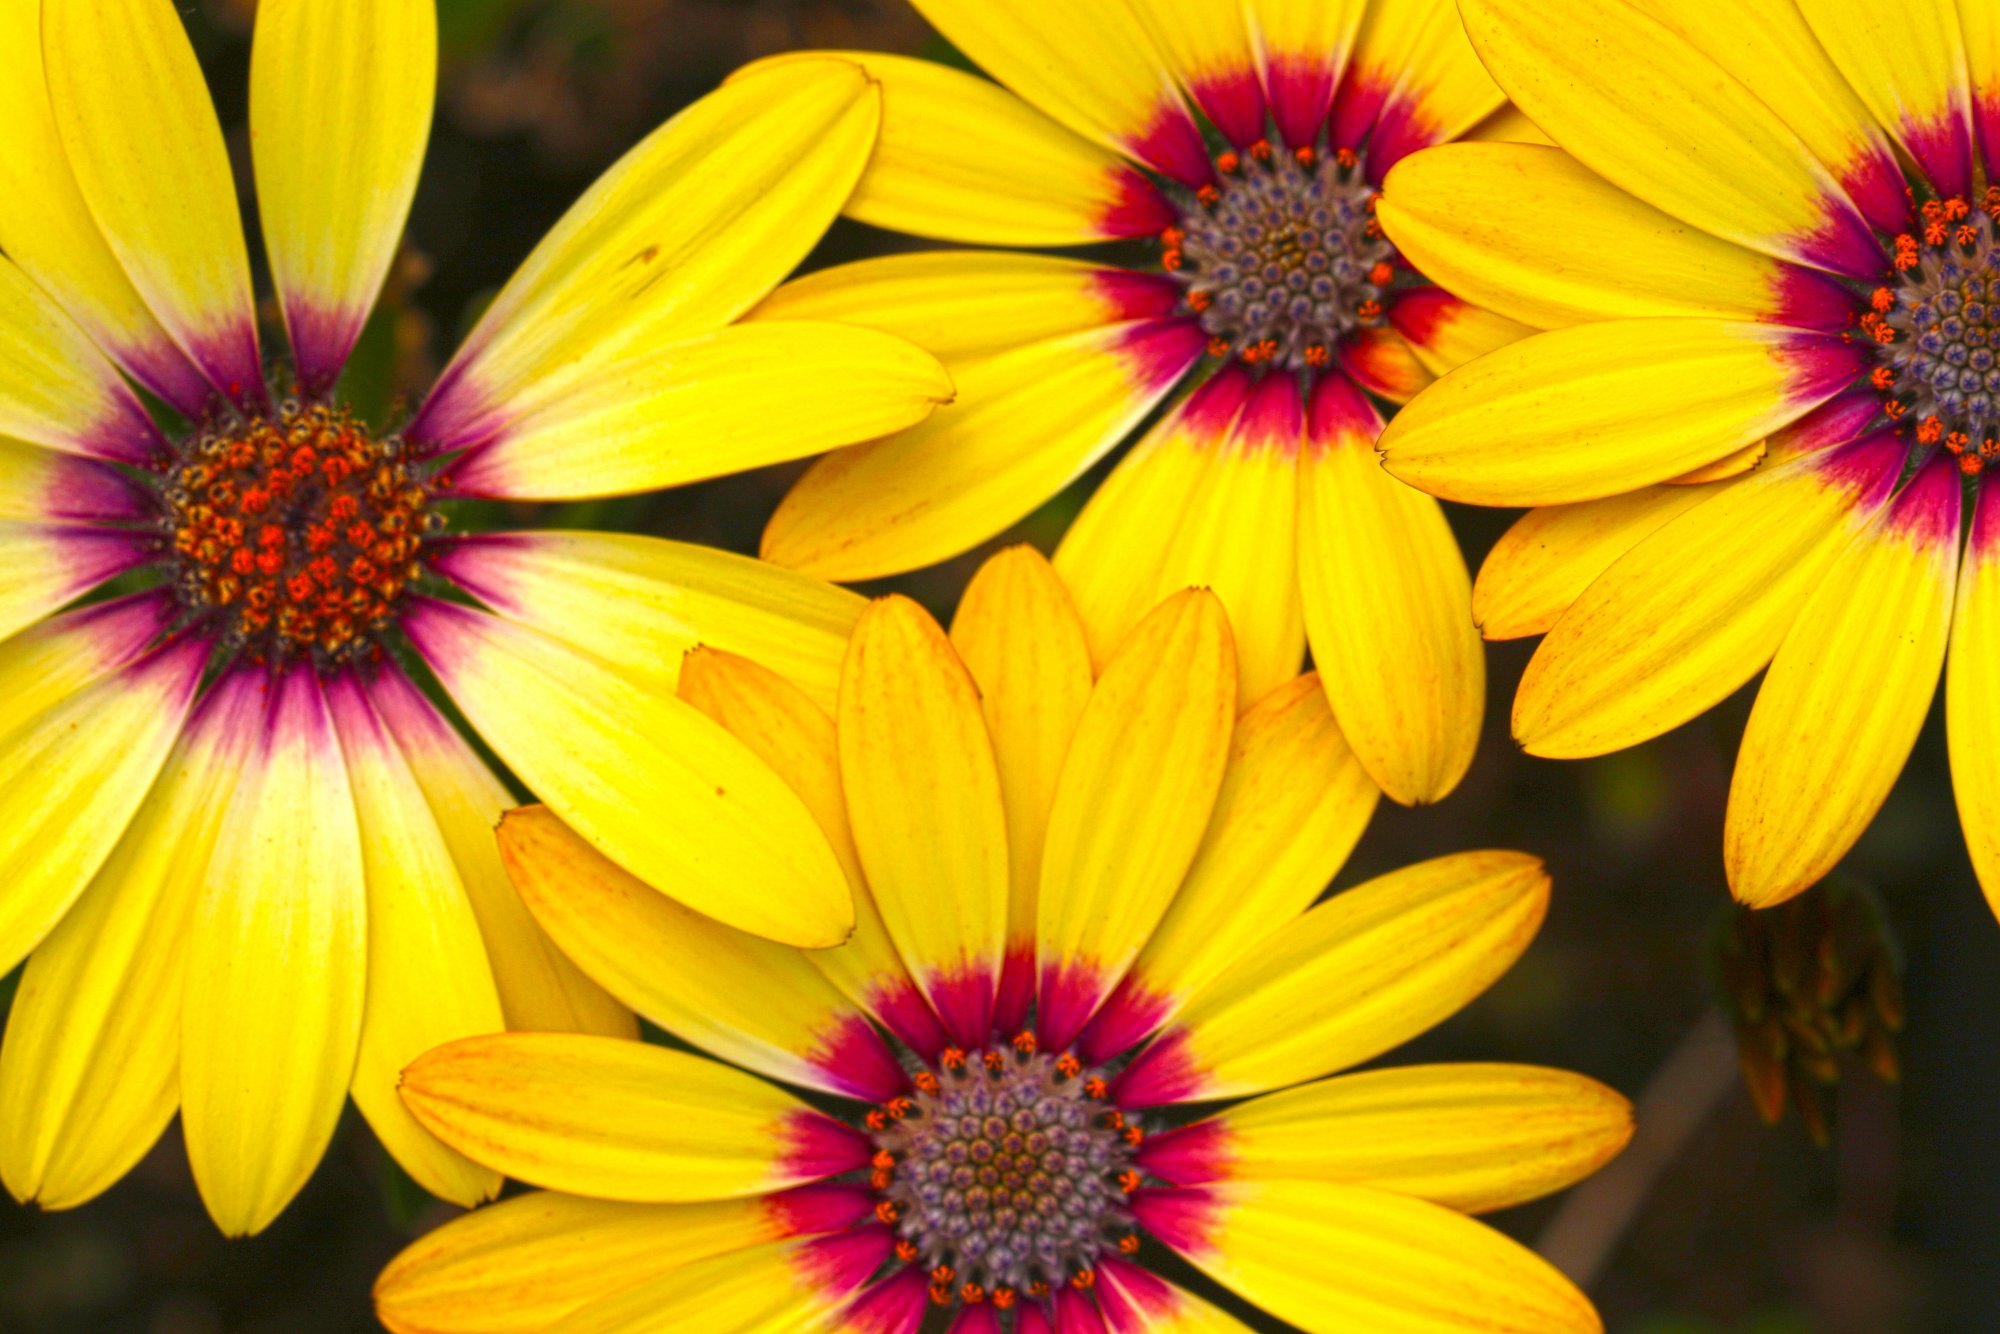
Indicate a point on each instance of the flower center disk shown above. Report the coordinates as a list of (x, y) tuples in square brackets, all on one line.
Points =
[(1005, 1175), (1284, 257), (1937, 330), (298, 532)]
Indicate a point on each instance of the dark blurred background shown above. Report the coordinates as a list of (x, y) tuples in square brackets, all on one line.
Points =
[(1716, 1224)]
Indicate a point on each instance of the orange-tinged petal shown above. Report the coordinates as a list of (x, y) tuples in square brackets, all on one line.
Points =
[(1695, 610), (1388, 607), (1095, 69), (789, 732), (1475, 217), (689, 230), (1447, 331), (1970, 714), (1541, 565), (1469, 1137), (1026, 423), (1132, 804), (1331, 1257), (962, 159), (633, 770), (141, 135), (1018, 633), (88, 1074), (277, 966), (1383, 362), (751, 1002), (340, 109), (429, 981), (639, 603), (1769, 47), (1908, 66), (1365, 971), (621, 1120), (540, 989), (925, 804), (1647, 110), (519, 1266), (1294, 801), (1590, 411), (47, 228), (1846, 696)]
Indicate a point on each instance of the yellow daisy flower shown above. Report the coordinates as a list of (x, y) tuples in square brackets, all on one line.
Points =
[(1265, 287), (1758, 424), (253, 861), (1085, 900)]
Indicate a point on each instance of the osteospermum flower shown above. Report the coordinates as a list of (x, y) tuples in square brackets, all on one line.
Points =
[(255, 857), (1769, 258), (1240, 147), (1083, 904)]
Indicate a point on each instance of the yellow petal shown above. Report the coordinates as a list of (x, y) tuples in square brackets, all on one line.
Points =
[(1541, 565), (1846, 696), (1693, 611), (47, 228), (770, 1289), (1908, 66), (56, 389), (1970, 715), (1132, 804), (1590, 411), (1018, 634), (639, 603), (44, 565), (1729, 465), (1388, 607), (1294, 801), (340, 109), (49, 663), (1113, 558), (1330, 1258), (1025, 424), (925, 804), (1303, 46), (429, 982), (1094, 68), (1208, 45), (1768, 47), (1508, 125), (636, 771), (788, 731), (277, 965), (1365, 971), (620, 1120), (88, 1075), (751, 1002), (37, 483), (1981, 26), (1469, 1137), (689, 230), (1208, 499), (1415, 81), (540, 989), (962, 159), (1474, 217), (961, 305), (141, 135), (73, 774), (525, 1263), (1138, 1301), (1645, 109), (725, 402)]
